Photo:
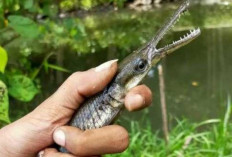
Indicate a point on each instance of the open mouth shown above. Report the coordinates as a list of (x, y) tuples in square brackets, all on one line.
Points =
[(179, 43), (167, 26)]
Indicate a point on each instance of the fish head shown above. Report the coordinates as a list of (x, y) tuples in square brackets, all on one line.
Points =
[(135, 67)]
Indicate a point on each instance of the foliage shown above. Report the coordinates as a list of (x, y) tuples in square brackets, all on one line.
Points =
[(24, 26), (22, 88), (4, 100), (88, 4), (4, 103), (3, 59), (18, 86), (50, 7), (55, 67), (206, 139)]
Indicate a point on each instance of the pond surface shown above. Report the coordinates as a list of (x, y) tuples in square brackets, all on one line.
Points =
[(197, 77)]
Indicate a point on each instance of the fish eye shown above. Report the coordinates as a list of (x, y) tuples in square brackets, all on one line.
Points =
[(141, 65)]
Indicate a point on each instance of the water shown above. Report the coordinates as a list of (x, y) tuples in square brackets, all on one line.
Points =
[(197, 79), (197, 76)]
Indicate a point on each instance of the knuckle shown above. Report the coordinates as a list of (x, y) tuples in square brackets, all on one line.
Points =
[(83, 140), (74, 75)]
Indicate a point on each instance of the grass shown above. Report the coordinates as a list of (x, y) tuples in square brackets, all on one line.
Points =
[(211, 138)]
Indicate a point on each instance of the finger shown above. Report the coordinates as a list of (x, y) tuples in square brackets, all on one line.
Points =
[(52, 152), (138, 98), (85, 84), (109, 139), (73, 91)]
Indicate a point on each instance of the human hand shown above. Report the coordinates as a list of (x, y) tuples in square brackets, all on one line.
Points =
[(38, 130)]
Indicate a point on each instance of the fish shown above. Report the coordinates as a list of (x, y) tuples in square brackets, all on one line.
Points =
[(103, 108)]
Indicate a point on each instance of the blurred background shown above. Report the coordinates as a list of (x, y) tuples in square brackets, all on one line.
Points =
[(43, 41)]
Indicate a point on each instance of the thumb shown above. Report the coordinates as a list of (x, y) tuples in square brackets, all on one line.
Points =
[(64, 102)]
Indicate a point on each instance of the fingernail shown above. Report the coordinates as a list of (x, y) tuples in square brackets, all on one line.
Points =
[(135, 102), (59, 137), (105, 66), (40, 154)]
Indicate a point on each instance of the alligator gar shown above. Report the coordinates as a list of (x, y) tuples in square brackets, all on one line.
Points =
[(102, 109)]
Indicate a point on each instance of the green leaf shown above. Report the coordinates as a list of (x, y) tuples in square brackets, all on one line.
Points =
[(87, 4), (3, 78), (22, 88), (3, 59), (28, 4), (4, 103), (56, 67), (24, 26), (2, 20), (81, 28)]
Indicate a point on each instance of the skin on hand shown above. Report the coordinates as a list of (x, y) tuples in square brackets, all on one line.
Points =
[(44, 126)]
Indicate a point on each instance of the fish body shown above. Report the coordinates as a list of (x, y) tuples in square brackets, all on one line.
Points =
[(101, 109)]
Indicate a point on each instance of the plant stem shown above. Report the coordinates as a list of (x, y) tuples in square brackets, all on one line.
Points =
[(163, 103)]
